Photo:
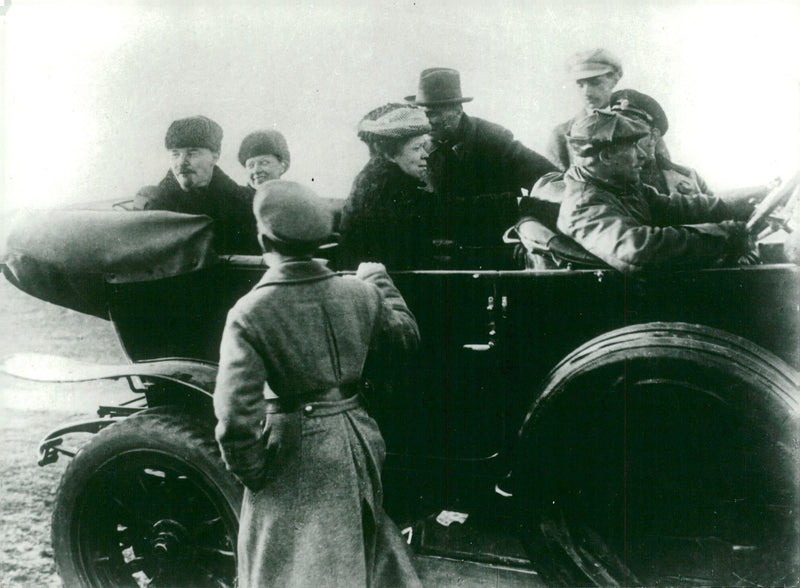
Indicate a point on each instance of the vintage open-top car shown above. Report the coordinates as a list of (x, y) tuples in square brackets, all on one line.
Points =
[(622, 429)]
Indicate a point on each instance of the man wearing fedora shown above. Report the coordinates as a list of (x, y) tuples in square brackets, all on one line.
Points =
[(194, 184), (476, 167), (595, 73)]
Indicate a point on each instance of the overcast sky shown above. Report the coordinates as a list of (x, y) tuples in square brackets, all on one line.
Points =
[(89, 88)]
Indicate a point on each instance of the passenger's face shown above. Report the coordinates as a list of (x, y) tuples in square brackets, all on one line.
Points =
[(412, 156), (625, 161), (648, 144), (596, 91), (444, 121), (263, 168), (193, 166)]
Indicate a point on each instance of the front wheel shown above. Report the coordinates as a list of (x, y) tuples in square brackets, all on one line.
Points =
[(148, 502)]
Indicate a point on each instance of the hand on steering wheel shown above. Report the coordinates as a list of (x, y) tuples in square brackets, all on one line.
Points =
[(766, 214)]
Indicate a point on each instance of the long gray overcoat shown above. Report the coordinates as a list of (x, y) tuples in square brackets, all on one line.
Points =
[(312, 513)]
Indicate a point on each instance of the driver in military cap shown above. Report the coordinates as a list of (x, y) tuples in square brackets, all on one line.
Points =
[(629, 225), (659, 170)]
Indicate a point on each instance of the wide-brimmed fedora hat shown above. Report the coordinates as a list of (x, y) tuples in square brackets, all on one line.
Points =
[(438, 85)]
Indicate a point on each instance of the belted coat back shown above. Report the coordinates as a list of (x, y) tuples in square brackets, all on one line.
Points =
[(312, 513)]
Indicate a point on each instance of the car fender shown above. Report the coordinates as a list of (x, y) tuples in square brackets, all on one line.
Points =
[(190, 374)]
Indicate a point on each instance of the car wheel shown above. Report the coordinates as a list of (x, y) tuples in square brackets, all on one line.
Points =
[(148, 502), (664, 453)]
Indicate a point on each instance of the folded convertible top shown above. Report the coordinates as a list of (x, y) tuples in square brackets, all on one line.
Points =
[(66, 256)]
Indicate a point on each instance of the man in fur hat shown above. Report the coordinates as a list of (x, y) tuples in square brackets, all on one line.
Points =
[(476, 167), (195, 184), (265, 156), (629, 225)]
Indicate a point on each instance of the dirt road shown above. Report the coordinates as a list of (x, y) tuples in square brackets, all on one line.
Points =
[(28, 411)]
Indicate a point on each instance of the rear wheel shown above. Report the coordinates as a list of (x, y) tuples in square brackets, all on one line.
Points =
[(148, 502), (664, 454)]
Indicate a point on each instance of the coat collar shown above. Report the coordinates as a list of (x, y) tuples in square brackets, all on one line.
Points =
[(220, 182), (465, 138), (295, 272)]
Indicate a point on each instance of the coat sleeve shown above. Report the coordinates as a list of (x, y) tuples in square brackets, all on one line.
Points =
[(396, 329), (358, 220), (606, 230), (687, 209), (521, 165), (239, 403), (557, 151)]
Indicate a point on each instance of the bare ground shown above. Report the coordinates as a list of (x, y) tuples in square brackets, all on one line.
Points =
[(28, 411)]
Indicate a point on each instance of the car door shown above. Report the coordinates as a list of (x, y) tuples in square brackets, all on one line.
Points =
[(448, 402)]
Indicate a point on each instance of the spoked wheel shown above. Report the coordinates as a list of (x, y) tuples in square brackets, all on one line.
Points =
[(148, 502), (665, 454)]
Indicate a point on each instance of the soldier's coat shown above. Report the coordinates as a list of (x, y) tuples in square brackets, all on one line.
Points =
[(312, 515)]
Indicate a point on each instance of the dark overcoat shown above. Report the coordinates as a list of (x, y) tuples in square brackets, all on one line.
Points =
[(388, 217), (312, 513), (228, 204), (479, 178)]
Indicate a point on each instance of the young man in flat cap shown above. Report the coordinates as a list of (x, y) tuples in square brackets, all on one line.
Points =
[(265, 156), (476, 167), (595, 73), (629, 225), (290, 421), (195, 184)]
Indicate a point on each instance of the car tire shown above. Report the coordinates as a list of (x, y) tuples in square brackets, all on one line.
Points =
[(663, 453), (148, 501)]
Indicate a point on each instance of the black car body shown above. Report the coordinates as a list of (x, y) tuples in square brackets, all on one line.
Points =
[(639, 428)]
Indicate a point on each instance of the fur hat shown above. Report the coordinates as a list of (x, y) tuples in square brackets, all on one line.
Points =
[(592, 63), (397, 124), (264, 143), (194, 131), (604, 127), (438, 86), (642, 106), (292, 216)]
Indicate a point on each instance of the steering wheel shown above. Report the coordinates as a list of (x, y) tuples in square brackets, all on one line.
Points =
[(774, 211)]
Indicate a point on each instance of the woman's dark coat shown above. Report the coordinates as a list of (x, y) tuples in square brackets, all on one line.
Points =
[(388, 217)]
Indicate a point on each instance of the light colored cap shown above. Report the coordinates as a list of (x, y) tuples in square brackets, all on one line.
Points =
[(592, 63)]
